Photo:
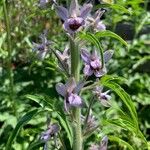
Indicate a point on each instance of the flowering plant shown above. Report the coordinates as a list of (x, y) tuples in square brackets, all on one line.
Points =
[(84, 70)]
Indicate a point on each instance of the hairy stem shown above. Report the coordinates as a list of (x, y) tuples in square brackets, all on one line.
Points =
[(9, 58), (75, 68)]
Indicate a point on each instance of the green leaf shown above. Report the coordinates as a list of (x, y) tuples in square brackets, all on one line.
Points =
[(115, 7), (124, 97), (64, 122), (108, 33), (93, 39), (24, 120), (107, 78), (35, 144), (140, 62), (121, 142), (40, 100)]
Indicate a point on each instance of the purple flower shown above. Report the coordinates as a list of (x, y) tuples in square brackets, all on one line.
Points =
[(70, 93), (75, 17), (42, 48), (63, 59), (95, 21), (50, 132), (93, 63), (102, 146), (103, 97)]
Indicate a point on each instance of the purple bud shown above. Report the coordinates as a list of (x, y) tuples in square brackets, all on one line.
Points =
[(103, 97), (50, 132), (43, 48)]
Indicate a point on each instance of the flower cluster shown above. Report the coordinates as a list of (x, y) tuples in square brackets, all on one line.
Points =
[(103, 97), (70, 93), (42, 48), (51, 131), (93, 63), (74, 19), (77, 17)]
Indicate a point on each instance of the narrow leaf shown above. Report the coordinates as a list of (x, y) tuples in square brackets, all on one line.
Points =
[(125, 99), (115, 7), (121, 142), (108, 33), (24, 120)]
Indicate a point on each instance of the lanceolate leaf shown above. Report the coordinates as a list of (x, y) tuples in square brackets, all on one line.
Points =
[(40, 100), (46, 102), (121, 142), (115, 7), (24, 120), (108, 33), (125, 99)]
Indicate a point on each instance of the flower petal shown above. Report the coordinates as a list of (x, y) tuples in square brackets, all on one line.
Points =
[(94, 54), (104, 143), (85, 10), (67, 28), (70, 85), (74, 100), (99, 73), (79, 86), (108, 55), (62, 12), (85, 56), (95, 64), (100, 26), (87, 70), (74, 8), (61, 89)]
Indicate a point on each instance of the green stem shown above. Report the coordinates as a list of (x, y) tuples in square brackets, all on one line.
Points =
[(75, 69), (9, 59)]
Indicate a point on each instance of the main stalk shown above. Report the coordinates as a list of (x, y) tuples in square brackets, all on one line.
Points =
[(75, 72)]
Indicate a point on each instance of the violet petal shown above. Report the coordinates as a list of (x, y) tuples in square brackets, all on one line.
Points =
[(74, 100), (85, 10), (61, 89), (100, 26), (70, 85), (67, 28), (108, 55), (104, 143), (79, 86), (87, 70), (74, 8), (99, 73), (62, 12), (85, 55)]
